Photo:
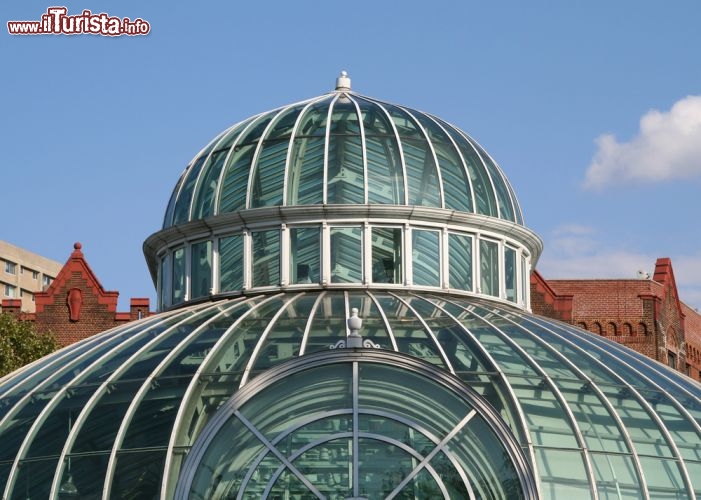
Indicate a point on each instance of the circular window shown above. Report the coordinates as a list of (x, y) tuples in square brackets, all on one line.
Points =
[(352, 424)]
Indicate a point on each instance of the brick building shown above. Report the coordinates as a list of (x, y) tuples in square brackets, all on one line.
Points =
[(75, 305), (644, 314)]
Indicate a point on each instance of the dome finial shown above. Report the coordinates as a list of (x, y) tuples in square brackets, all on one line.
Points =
[(343, 82)]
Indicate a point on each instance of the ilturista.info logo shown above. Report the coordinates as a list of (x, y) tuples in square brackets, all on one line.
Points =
[(57, 21)]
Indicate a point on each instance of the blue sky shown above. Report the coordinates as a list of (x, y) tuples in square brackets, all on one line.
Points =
[(593, 110)]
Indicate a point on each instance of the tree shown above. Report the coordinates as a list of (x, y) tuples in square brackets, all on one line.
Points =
[(21, 344)]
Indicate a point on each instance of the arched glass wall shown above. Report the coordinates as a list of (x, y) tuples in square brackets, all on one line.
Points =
[(119, 412), (352, 425), (345, 254)]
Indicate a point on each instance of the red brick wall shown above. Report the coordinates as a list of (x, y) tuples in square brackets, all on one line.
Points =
[(645, 315)]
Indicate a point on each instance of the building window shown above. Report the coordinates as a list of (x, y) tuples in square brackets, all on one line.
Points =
[(178, 292), (266, 258), (164, 281), (489, 267), (231, 263), (10, 267), (346, 255), (672, 359), (10, 291), (386, 255), (460, 261), (46, 281), (201, 269), (425, 257), (305, 254), (35, 275), (510, 273)]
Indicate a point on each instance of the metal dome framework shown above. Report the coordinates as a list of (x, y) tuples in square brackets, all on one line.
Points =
[(123, 408), (342, 190)]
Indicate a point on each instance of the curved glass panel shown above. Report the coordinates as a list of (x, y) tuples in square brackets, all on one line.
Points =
[(486, 203), (234, 186), (456, 184), (305, 176), (385, 174), (345, 177)]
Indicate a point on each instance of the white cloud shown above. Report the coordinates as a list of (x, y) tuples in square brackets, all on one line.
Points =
[(668, 146)]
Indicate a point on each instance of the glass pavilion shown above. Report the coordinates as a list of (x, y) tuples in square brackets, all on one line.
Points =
[(343, 285)]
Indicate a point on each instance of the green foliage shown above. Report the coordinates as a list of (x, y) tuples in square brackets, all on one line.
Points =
[(21, 344)]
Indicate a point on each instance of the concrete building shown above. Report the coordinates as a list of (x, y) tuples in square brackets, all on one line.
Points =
[(23, 274)]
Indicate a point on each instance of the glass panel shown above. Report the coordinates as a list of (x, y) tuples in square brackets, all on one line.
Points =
[(235, 180), (489, 268), (346, 255), (138, 475), (305, 255), (616, 478), (547, 420), (385, 177), (201, 269), (425, 257), (664, 480), (525, 276), (510, 273), (285, 122), (100, 428), (386, 255), (306, 172), (235, 183), (178, 292), (164, 281), (268, 174), (182, 205), (266, 258), (152, 423), (481, 183), (34, 479), (328, 324), (168, 218), (506, 209), (422, 177), (231, 263), (644, 432), (486, 461), (86, 474), (346, 181), (456, 186), (460, 261), (285, 336), (409, 333), (562, 475), (204, 199), (345, 156)]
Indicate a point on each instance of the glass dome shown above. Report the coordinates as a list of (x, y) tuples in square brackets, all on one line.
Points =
[(342, 148), (138, 411), (341, 191)]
